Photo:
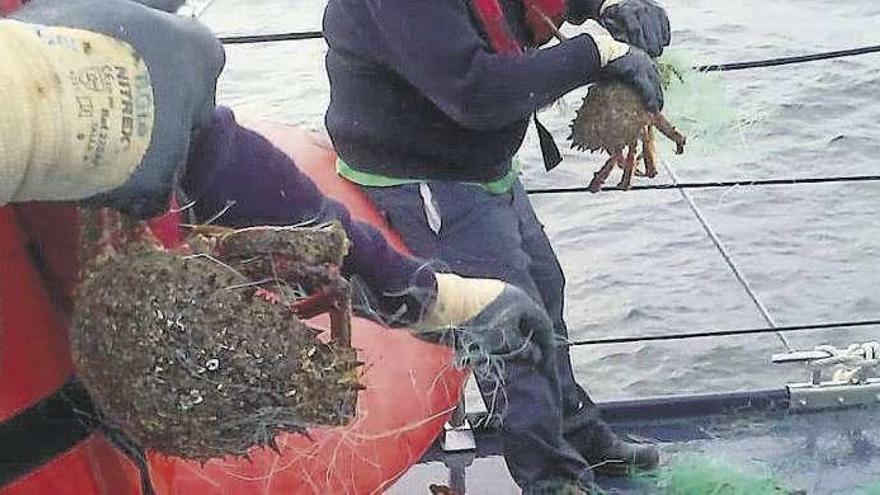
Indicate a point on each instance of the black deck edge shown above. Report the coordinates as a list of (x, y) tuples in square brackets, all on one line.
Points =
[(683, 406), (680, 406)]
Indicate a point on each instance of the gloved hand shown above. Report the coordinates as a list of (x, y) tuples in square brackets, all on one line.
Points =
[(641, 23), (627, 64), (489, 317), (118, 96)]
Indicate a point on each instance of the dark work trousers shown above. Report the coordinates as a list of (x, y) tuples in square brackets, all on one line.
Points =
[(473, 233)]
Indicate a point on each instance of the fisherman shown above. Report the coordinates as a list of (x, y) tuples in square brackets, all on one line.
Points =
[(429, 102), (237, 178), (92, 110)]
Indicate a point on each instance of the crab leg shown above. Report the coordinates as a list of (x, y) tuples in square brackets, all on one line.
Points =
[(628, 166), (600, 176), (649, 154), (335, 300), (668, 130), (106, 232)]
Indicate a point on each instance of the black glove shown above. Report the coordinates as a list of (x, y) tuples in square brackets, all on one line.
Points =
[(184, 60), (170, 6), (641, 23)]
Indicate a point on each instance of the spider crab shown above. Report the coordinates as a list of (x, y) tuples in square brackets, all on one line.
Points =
[(613, 119), (200, 351)]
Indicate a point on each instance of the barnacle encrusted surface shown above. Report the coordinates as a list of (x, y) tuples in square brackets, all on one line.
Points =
[(190, 362)]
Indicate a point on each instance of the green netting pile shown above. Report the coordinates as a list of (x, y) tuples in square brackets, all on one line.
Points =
[(872, 489), (694, 474)]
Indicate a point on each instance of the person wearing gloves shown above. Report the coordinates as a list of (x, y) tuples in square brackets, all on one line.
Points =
[(430, 101), (238, 173), (104, 102)]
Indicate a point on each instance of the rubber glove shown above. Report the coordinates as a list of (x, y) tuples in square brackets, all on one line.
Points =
[(489, 318), (98, 101), (641, 23), (627, 64)]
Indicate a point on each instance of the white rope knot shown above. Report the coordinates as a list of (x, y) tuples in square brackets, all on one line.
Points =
[(855, 363)]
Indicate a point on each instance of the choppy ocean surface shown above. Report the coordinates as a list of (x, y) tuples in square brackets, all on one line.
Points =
[(639, 263)]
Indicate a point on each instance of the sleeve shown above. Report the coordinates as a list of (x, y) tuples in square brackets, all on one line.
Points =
[(236, 169), (434, 46)]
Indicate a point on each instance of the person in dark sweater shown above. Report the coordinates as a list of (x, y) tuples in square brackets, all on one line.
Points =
[(238, 178), (430, 101)]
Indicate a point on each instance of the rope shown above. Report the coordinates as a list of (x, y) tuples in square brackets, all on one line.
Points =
[(725, 333), (857, 361), (713, 184), (744, 282), (855, 355), (800, 59)]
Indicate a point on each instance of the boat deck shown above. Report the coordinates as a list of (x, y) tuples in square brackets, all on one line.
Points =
[(833, 452)]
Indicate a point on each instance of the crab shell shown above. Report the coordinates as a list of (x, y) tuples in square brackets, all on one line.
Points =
[(611, 117), (182, 354)]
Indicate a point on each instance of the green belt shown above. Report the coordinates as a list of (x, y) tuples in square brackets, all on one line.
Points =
[(497, 186)]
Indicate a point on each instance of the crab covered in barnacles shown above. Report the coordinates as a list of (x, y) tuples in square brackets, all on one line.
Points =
[(614, 119), (200, 352)]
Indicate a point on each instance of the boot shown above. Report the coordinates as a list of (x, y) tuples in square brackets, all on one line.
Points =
[(622, 458), (606, 453), (562, 487)]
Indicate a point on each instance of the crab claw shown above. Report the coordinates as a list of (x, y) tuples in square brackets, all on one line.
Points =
[(668, 130)]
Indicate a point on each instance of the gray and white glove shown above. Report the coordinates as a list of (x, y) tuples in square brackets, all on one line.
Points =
[(489, 317), (627, 64), (640, 23), (120, 89)]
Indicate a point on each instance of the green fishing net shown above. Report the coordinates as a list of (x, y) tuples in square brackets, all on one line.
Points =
[(695, 474), (872, 489), (698, 104)]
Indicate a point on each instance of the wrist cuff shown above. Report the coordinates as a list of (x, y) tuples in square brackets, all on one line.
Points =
[(609, 48), (460, 300)]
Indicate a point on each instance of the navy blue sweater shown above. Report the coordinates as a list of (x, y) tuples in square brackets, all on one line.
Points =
[(229, 163), (416, 91)]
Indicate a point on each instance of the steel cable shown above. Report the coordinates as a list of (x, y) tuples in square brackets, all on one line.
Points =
[(725, 333), (726, 67), (799, 59), (714, 184), (722, 249), (270, 38)]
